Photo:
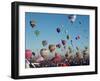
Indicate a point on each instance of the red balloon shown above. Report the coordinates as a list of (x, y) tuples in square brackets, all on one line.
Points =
[(78, 37), (28, 54), (57, 58)]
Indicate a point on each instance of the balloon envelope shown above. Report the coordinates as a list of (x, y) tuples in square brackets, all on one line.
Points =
[(28, 54), (72, 18), (68, 37), (57, 58), (52, 47), (78, 37), (58, 45), (32, 23), (44, 42), (70, 49), (63, 42), (58, 30), (36, 32), (44, 52)]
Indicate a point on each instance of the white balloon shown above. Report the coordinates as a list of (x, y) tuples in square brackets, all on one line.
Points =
[(44, 52), (72, 18)]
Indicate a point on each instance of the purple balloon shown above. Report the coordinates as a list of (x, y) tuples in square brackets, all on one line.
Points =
[(63, 42), (58, 45)]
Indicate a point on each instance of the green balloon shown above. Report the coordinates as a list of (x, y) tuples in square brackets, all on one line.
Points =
[(70, 49), (37, 32), (68, 37)]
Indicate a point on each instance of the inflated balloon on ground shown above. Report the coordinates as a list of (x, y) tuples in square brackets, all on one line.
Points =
[(52, 47), (44, 52), (57, 58), (28, 54)]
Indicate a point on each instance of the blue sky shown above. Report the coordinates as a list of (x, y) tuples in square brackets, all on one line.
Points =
[(47, 23)]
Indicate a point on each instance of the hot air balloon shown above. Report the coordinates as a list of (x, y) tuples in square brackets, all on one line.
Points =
[(70, 49), (57, 58), (86, 47), (52, 47), (63, 42), (78, 37), (44, 52), (58, 45), (37, 32), (32, 23), (68, 37), (44, 43), (28, 54), (58, 30), (71, 42), (72, 18)]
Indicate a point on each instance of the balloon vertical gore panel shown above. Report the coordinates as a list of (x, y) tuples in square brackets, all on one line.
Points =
[(50, 40)]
